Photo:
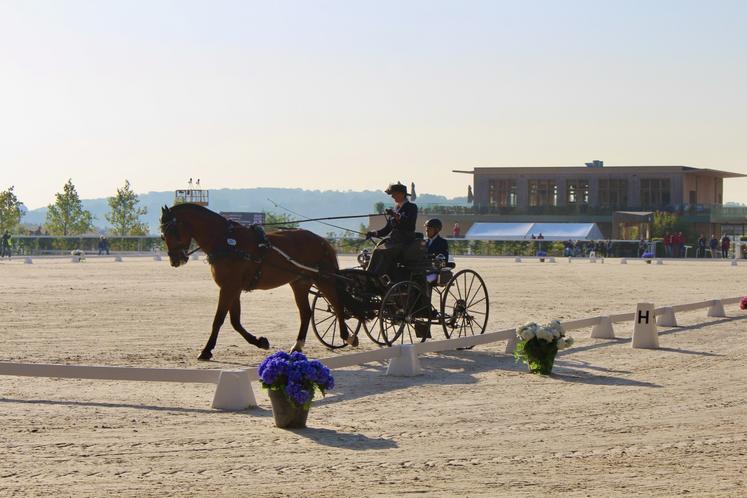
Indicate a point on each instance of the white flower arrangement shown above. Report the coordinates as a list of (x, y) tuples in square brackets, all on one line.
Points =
[(538, 345)]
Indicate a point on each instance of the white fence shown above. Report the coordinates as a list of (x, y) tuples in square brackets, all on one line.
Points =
[(233, 387)]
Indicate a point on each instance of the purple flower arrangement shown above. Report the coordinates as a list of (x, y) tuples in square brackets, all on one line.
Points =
[(296, 376), (647, 254)]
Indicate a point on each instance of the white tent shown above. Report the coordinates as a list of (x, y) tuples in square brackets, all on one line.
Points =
[(524, 231)]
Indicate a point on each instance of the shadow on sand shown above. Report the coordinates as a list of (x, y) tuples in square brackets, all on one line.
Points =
[(348, 440)]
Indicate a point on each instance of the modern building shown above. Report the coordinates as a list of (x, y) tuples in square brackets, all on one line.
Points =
[(614, 197)]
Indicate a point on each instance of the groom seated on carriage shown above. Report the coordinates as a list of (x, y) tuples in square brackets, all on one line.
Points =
[(400, 228)]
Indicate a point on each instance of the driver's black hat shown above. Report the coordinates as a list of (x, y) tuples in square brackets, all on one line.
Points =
[(396, 187)]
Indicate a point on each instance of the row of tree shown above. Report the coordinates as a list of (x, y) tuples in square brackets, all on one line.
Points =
[(66, 216)]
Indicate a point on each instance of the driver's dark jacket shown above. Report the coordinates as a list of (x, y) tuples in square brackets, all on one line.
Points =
[(404, 229)]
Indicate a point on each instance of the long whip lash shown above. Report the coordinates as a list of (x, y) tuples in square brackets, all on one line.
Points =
[(319, 220)]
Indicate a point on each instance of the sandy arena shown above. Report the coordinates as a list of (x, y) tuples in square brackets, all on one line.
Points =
[(611, 420)]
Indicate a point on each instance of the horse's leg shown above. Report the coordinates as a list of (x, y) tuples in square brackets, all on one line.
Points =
[(301, 294), (328, 288), (225, 299), (235, 311)]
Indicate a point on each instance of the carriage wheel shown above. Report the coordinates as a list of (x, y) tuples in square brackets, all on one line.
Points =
[(373, 331), (324, 323), (464, 305), (405, 314)]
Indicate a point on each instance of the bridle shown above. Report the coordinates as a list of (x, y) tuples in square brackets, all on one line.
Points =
[(172, 227)]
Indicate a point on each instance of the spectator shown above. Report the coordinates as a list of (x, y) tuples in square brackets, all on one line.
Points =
[(679, 247), (568, 248), (610, 249), (641, 247), (5, 245), (103, 245), (456, 232), (714, 246), (700, 253), (668, 245), (725, 245)]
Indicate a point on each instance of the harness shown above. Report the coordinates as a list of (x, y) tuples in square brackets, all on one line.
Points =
[(264, 245)]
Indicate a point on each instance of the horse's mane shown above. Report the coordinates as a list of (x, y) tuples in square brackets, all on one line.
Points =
[(189, 208)]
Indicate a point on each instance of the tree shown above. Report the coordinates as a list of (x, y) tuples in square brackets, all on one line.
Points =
[(274, 221), (10, 211), (663, 223), (379, 207), (67, 216), (124, 216)]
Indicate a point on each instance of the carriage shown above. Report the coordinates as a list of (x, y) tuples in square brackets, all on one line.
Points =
[(423, 292), (419, 293)]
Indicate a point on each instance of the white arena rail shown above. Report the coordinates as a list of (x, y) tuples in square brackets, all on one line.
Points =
[(234, 390)]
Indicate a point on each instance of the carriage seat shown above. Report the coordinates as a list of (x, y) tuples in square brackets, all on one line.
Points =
[(415, 255)]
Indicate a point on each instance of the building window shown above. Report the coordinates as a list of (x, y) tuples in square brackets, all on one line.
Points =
[(543, 193), (613, 193), (577, 192), (655, 192), (502, 193)]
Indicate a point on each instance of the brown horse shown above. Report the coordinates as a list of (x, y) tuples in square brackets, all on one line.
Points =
[(244, 259)]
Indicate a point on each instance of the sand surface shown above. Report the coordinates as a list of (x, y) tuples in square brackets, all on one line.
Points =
[(611, 420)]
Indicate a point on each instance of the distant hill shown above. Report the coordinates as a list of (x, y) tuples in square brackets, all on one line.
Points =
[(309, 203)]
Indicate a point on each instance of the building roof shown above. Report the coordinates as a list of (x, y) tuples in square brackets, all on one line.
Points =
[(583, 170), (525, 231)]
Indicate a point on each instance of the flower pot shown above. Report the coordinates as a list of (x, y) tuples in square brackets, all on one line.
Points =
[(648, 261), (542, 260), (541, 356), (287, 416), (542, 365)]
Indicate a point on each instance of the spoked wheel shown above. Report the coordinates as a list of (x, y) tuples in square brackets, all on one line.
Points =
[(374, 332), (405, 314), (464, 305), (324, 323)]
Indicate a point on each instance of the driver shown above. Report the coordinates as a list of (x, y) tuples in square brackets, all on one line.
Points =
[(400, 228)]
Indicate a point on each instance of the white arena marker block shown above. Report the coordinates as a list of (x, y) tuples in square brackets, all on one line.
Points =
[(659, 262), (157, 257), (623, 261), (118, 259), (28, 260), (406, 364), (569, 259), (666, 318), (645, 334), (195, 257), (601, 261), (716, 309), (603, 329), (593, 259), (733, 262), (551, 260), (75, 259), (511, 344), (234, 391), (517, 259)]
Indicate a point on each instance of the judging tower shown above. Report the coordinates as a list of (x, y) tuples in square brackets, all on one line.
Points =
[(193, 194)]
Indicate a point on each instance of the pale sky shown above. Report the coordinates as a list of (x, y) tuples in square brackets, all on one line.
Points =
[(354, 95)]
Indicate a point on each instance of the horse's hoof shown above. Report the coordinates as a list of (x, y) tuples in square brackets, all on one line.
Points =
[(263, 343), (298, 347), (352, 340), (205, 357)]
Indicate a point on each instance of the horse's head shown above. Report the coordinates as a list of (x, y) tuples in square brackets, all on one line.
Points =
[(177, 237)]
